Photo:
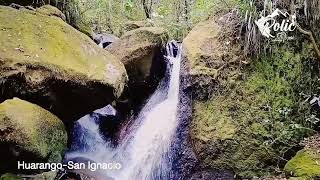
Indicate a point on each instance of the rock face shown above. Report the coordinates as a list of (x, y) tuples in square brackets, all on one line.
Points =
[(206, 56), (202, 46), (243, 109), (140, 51), (47, 62), (29, 133)]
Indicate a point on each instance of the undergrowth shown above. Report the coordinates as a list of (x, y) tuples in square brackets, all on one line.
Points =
[(254, 125)]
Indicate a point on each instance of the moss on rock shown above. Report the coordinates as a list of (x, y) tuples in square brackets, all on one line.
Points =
[(27, 128), (208, 56), (260, 113), (46, 61), (202, 45), (140, 51), (306, 163), (51, 11), (253, 117), (9, 176)]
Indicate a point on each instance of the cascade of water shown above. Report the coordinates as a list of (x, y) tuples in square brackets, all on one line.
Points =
[(88, 142), (145, 152)]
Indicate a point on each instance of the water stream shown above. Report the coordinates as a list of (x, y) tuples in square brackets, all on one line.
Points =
[(144, 153)]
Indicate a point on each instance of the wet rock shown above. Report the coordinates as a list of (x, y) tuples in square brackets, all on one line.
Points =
[(140, 51), (29, 133), (104, 40), (16, 6), (47, 62), (101, 125), (185, 160), (109, 122)]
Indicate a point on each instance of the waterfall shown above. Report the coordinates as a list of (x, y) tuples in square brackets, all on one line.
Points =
[(144, 153)]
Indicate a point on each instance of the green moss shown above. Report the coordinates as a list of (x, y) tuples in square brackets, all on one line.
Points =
[(9, 176), (33, 38), (306, 163), (262, 109), (147, 34), (51, 11), (200, 43), (214, 122), (85, 29), (137, 49), (33, 129)]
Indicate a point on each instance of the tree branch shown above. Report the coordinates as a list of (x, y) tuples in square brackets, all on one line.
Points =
[(310, 34)]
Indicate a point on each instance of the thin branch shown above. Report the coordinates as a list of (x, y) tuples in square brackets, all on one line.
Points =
[(313, 40), (308, 33)]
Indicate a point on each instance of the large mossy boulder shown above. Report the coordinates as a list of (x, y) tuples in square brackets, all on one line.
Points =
[(248, 115), (202, 46), (29, 133), (49, 63), (208, 52), (140, 50)]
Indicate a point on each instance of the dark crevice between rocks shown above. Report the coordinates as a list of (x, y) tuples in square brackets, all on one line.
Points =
[(137, 93)]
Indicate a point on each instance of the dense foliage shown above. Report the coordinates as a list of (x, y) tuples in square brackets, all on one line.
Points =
[(178, 17)]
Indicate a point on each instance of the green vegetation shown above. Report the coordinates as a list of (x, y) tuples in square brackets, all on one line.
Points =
[(178, 17), (9, 176), (305, 164), (251, 125)]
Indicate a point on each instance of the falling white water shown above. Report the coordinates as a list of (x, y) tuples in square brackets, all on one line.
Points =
[(145, 151), (93, 145)]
